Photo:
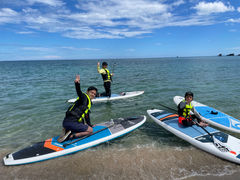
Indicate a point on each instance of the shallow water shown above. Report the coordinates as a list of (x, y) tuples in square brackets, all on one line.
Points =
[(33, 95)]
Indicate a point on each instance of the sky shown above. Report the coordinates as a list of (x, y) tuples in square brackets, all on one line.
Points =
[(111, 29)]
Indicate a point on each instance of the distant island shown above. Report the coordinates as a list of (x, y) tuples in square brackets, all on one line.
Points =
[(231, 54)]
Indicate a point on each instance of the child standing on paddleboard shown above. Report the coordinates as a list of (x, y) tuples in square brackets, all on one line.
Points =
[(107, 78)]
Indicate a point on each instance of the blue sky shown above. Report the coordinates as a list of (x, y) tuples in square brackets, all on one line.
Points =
[(104, 29)]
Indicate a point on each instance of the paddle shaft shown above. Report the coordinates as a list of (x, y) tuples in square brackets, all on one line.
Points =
[(167, 107), (113, 70), (203, 129)]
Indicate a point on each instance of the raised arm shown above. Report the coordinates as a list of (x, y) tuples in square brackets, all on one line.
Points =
[(77, 86), (98, 67), (100, 71)]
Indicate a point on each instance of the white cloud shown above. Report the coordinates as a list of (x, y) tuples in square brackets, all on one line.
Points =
[(35, 49), (124, 12), (25, 32), (7, 12), (76, 49), (52, 57), (238, 9), (233, 20), (8, 15), (89, 49), (131, 50), (232, 30), (234, 48), (54, 3), (204, 8), (116, 19), (178, 3), (93, 19)]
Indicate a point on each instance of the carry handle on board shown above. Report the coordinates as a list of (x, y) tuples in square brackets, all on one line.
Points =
[(215, 141)]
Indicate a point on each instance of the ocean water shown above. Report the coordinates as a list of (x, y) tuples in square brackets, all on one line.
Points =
[(33, 98)]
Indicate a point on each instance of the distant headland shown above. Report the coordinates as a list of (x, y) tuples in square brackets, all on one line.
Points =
[(231, 54)]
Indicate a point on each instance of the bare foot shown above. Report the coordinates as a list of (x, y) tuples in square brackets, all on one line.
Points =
[(203, 124)]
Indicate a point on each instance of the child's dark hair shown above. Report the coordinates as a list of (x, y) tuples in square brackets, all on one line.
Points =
[(92, 88), (104, 64)]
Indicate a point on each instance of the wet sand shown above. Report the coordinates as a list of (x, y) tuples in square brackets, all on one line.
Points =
[(143, 163)]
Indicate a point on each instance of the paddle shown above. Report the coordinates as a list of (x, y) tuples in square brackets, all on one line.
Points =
[(132, 118), (112, 70), (216, 142), (167, 107)]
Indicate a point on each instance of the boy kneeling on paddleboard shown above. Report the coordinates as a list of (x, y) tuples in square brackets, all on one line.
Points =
[(184, 109), (77, 120)]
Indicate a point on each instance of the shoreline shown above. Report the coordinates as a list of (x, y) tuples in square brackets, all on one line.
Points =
[(107, 162)]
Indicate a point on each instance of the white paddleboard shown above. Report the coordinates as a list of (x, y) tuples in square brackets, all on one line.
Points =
[(51, 148), (229, 148), (213, 116), (122, 95)]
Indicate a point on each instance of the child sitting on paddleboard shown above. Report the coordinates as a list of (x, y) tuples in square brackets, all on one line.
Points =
[(184, 109), (77, 120)]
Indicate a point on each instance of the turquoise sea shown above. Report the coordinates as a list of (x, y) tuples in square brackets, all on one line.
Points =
[(33, 98)]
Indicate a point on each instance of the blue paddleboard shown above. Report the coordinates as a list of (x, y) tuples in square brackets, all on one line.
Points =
[(213, 116), (223, 145), (51, 148)]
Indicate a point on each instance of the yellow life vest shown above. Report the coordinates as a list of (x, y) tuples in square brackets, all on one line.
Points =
[(106, 76), (187, 109), (84, 111)]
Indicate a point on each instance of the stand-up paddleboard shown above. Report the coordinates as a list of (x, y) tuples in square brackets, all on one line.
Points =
[(213, 116), (226, 147), (50, 148), (122, 95)]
